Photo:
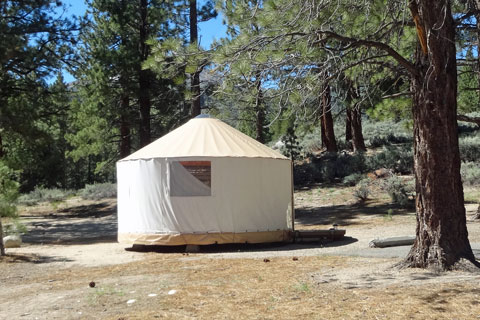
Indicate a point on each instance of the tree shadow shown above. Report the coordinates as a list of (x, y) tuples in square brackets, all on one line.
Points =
[(32, 258), (72, 231), (345, 215), (80, 224), (437, 300), (246, 247), (96, 210)]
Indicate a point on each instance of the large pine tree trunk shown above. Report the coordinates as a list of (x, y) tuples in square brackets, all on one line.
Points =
[(441, 234), (357, 135), (195, 78), (144, 78), (327, 121)]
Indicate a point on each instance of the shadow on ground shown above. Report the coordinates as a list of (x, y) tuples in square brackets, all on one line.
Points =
[(345, 215), (96, 210), (58, 230), (246, 247), (31, 258)]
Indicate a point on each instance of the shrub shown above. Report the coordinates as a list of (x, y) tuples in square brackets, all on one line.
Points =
[(339, 165), (397, 158), (14, 227), (40, 194), (389, 215), (398, 190), (376, 142), (99, 191), (353, 179), (378, 134), (469, 148), (311, 142), (398, 138), (328, 171), (8, 191), (470, 172), (344, 145), (363, 190)]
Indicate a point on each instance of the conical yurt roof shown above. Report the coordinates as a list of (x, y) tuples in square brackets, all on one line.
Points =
[(205, 137)]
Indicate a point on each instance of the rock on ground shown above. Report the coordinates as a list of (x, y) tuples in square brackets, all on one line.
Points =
[(13, 241)]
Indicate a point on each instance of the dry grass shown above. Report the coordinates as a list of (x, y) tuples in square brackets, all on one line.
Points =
[(282, 288)]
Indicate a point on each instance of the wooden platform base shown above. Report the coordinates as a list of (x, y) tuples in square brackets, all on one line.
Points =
[(318, 235)]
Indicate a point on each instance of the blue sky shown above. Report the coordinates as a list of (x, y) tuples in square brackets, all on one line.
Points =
[(208, 31)]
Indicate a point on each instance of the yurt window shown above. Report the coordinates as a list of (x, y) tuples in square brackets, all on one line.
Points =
[(190, 178)]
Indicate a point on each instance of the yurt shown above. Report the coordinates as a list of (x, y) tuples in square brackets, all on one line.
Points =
[(204, 183)]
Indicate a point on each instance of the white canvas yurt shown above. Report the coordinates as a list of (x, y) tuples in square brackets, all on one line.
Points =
[(204, 183)]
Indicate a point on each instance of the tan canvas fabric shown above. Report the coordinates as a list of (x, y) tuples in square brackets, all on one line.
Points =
[(205, 137), (204, 238)]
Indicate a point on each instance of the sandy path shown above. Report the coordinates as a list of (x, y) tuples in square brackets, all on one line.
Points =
[(90, 242)]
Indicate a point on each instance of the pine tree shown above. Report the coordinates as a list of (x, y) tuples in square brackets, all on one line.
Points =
[(350, 33), (120, 105), (35, 41)]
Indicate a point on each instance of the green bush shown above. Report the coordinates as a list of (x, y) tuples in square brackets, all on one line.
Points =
[(311, 142), (344, 145), (397, 158), (329, 167), (376, 142), (8, 191), (378, 134), (99, 191), (40, 194), (362, 192), (470, 172), (353, 179), (398, 190), (340, 165), (469, 148), (14, 227), (306, 173)]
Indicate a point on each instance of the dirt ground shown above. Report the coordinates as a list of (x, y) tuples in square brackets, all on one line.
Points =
[(71, 244)]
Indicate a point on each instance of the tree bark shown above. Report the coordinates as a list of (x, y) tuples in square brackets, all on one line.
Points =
[(441, 233), (327, 120), (322, 134), (195, 78), (144, 78), (2, 246), (125, 145), (357, 135), (348, 125), (259, 111)]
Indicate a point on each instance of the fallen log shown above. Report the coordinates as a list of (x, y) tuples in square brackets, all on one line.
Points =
[(392, 242), (318, 235)]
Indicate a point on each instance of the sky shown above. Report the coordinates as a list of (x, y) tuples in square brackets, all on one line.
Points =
[(208, 31)]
